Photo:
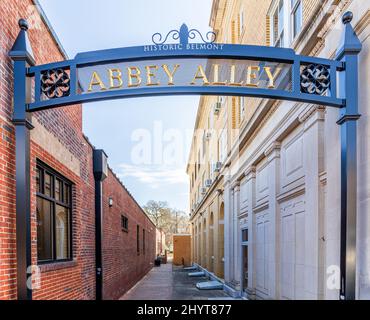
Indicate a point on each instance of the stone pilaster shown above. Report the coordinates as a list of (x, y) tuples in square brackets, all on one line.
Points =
[(250, 175), (272, 154), (205, 239), (228, 205), (236, 237)]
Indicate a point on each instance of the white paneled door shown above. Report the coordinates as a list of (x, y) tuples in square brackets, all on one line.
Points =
[(292, 249), (262, 252)]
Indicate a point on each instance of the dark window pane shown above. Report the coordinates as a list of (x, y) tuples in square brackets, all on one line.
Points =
[(44, 230), (58, 190), (67, 192), (48, 185), (245, 267), (53, 220), (138, 239), (143, 241), (245, 235), (62, 232), (124, 223), (38, 180)]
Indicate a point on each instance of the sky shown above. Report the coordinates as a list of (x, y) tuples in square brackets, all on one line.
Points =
[(147, 139)]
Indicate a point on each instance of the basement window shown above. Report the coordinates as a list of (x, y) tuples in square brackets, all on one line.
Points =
[(54, 236), (124, 223)]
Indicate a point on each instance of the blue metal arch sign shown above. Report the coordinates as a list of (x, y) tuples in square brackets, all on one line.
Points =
[(184, 68), (205, 68)]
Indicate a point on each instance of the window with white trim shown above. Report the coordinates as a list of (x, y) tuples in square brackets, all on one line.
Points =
[(221, 99), (296, 16), (204, 143), (211, 120), (277, 24), (241, 22), (211, 167), (223, 145), (241, 109)]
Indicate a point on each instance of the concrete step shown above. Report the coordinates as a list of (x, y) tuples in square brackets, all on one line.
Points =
[(210, 285), (196, 274), (223, 298), (190, 269)]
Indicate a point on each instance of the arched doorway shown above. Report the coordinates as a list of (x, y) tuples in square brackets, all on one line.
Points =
[(221, 243), (211, 256)]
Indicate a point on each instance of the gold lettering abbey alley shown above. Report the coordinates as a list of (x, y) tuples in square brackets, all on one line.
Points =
[(255, 76)]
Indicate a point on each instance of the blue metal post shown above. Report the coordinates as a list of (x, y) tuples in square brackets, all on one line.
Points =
[(21, 54), (100, 167), (348, 53)]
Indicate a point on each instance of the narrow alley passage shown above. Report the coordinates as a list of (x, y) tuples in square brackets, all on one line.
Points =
[(169, 282)]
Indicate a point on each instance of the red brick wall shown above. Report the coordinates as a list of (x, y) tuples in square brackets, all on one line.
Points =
[(75, 279), (122, 266), (72, 280)]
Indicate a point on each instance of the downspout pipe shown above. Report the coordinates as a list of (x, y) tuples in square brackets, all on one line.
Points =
[(100, 168)]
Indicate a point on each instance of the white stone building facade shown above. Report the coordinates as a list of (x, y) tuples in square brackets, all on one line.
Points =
[(281, 178)]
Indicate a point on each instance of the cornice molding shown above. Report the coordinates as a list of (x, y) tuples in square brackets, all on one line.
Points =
[(250, 173), (236, 186), (363, 23), (308, 112), (273, 150)]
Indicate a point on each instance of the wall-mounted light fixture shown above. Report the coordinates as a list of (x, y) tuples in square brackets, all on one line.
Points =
[(110, 202)]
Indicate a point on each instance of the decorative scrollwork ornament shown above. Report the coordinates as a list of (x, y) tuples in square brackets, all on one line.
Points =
[(315, 79), (55, 83)]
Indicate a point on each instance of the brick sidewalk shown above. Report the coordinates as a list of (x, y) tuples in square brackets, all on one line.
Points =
[(170, 283)]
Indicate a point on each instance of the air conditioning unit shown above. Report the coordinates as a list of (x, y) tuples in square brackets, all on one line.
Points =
[(208, 183), (203, 190), (218, 167), (208, 135), (217, 108)]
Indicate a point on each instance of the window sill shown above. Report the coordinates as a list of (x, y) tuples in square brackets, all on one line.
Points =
[(54, 266)]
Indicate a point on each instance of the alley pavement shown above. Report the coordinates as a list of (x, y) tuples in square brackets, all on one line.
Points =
[(169, 282)]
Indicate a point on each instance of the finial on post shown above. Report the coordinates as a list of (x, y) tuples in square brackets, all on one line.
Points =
[(22, 49), (347, 17), (23, 24), (184, 34), (350, 44)]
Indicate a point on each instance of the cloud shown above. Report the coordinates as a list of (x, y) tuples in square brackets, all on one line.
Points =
[(153, 176)]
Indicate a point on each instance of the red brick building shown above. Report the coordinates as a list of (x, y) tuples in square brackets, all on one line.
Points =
[(129, 240), (62, 190)]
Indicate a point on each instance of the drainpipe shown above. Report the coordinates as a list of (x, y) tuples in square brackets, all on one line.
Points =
[(100, 168)]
